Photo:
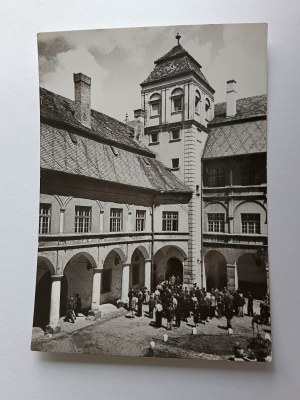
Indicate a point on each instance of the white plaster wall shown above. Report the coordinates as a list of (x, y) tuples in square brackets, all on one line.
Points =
[(26, 375)]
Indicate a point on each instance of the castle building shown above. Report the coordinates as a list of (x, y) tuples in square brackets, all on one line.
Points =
[(181, 191), (219, 152), (108, 209)]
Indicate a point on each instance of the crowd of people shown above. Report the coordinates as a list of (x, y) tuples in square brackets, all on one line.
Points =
[(177, 303)]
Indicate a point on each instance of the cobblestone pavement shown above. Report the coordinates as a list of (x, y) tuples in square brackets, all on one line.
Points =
[(123, 336)]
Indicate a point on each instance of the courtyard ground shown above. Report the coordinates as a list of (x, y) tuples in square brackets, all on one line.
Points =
[(119, 335)]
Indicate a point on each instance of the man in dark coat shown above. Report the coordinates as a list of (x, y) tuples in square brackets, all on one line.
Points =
[(169, 315), (151, 306), (140, 303), (250, 305)]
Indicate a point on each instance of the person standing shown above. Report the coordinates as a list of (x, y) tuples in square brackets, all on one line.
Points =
[(158, 314), (178, 313), (250, 305), (140, 303), (169, 316), (151, 306), (70, 310), (133, 304)]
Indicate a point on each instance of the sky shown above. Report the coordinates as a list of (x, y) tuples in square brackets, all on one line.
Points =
[(118, 60)]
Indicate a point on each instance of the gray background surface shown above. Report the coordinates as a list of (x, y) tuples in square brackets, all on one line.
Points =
[(27, 375)]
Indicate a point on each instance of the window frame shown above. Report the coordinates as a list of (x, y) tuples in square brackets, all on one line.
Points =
[(140, 221), (175, 164), (170, 221), (175, 131), (197, 102), (45, 218), (80, 225), (116, 221), (251, 223), (216, 222), (155, 99), (216, 177), (151, 137)]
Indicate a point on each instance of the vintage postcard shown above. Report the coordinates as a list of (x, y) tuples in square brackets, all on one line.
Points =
[(153, 228)]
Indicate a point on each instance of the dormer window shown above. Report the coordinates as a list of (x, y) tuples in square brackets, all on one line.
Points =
[(197, 102), (155, 105), (177, 100)]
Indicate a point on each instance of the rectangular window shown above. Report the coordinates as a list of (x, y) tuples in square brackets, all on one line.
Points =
[(170, 221), (154, 137), (116, 219), (155, 109), (216, 177), (175, 134), (140, 220), (82, 219), (216, 222), (44, 220), (250, 223), (250, 176), (106, 280), (175, 163), (177, 103)]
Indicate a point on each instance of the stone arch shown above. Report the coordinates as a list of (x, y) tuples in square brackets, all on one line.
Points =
[(168, 261), (42, 292), (77, 278), (251, 201), (251, 275), (216, 202), (215, 270)]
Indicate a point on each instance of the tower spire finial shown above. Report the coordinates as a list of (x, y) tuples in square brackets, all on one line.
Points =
[(178, 37)]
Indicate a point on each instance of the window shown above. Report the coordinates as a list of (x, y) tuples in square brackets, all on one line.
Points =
[(197, 102), (155, 101), (207, 104), (140, 220), (175, 134), (177, 100), (216, 222), (106, 280), (154, 137), (250, 223), (175, 163), (170, 221), (44, 220), (116, 219), (82, 219), (216, 177), (250, 176)]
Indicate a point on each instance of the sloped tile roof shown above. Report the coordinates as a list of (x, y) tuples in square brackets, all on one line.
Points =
[(245, 108), (236, 139), (177, 61), (60, 109), (245, 133), (93, 159)]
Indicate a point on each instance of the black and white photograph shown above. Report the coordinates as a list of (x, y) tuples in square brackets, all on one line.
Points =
[(153, 214)]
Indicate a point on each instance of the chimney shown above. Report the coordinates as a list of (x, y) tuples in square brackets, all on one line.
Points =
[(83, 99), (231, 98)]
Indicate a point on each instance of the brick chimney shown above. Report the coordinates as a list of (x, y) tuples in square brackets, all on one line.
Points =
[(231, 98), (83, 99)]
